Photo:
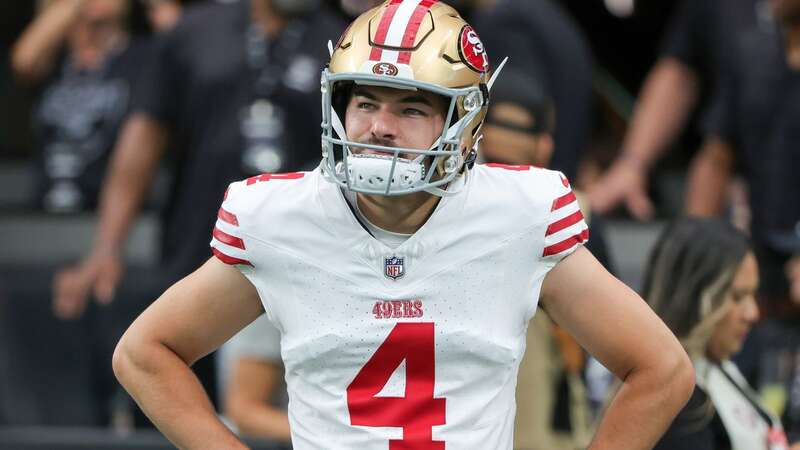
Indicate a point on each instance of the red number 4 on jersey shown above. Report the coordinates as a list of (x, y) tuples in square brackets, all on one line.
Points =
[(418, 412)]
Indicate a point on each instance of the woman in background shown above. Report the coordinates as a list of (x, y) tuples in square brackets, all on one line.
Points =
[(702, 280)]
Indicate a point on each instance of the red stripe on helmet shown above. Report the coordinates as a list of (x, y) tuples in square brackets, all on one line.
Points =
[(383, 30), (413, 27)]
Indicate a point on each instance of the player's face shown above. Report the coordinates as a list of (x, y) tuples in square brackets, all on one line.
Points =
[(728, 335), (394, 118)]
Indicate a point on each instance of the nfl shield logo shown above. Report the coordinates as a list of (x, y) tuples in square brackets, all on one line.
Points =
[(393, 267)]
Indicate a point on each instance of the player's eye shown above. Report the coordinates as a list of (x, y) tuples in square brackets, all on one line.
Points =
[(415, 112)]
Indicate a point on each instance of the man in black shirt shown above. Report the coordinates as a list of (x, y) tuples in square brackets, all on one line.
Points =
[(755, 129), (85, 65), (203, 86), (225, 79), (697, 49)]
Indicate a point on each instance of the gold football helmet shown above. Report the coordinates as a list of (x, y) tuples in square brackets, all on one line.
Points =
[(406, 44)]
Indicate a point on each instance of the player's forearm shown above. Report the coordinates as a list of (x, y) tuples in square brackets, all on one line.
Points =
[(645, 405), (133, 165), (258, 419), (708, 179), (669, 94), (168, 392), (34, 53)]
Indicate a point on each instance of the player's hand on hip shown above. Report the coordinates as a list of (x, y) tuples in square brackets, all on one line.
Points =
[(625, 182), (97, 275)]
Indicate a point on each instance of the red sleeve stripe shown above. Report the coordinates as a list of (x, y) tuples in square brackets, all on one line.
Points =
[(566, 222), (566, 244), (563, 201), (230, 259), (226, 238), (225, 216)]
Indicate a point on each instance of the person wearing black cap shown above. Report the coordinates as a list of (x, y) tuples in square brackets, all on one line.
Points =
[(519, 129), (552, 407)]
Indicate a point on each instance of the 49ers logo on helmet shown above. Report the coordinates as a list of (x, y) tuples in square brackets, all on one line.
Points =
[(471, 50), (385, 68)]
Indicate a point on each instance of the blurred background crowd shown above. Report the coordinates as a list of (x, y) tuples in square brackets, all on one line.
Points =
[(123, 121)]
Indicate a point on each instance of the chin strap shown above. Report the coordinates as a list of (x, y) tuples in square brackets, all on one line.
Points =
[(439, 192), (453, 188)]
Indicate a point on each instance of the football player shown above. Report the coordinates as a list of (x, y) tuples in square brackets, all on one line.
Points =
[(400, 274)]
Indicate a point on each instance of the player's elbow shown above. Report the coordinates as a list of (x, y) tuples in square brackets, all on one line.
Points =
[(677, 376), (129, 359), (121, 361)]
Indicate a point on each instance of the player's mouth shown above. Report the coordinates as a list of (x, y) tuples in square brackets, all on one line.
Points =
[(369, 151)]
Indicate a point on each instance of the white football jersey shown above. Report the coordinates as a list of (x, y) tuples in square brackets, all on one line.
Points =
[(413, 348)]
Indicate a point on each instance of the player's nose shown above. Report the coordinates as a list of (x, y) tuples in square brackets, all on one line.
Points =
[(384, 124)]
